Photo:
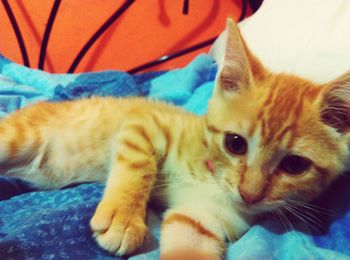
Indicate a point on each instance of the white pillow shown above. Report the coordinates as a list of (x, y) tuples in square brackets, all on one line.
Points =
[(309, 38)]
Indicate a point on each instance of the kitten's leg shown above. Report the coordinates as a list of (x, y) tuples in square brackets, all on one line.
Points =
[(119, 220), (191, 233)]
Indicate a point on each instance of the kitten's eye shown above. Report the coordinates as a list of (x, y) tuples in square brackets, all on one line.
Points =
[(294, 164), (235, 144)]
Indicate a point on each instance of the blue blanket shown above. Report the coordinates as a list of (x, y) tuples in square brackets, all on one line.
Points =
[(54, 224)]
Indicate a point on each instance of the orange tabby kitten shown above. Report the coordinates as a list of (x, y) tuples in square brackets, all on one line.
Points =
[(267, 139)]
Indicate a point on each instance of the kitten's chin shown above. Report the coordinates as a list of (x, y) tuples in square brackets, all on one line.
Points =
[(258, 208), (255, 208)]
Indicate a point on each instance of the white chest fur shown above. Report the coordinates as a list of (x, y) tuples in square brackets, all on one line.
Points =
[(207, 203)]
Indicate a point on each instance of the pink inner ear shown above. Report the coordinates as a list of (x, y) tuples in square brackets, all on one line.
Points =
[(335, 108), (337, 119), (230, 79), (239, 65), (235, 67)]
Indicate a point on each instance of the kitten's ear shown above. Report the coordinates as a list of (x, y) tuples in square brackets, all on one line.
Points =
[(335, 106), (237, 66)]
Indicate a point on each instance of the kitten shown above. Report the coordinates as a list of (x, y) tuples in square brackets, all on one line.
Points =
[(268, 139)]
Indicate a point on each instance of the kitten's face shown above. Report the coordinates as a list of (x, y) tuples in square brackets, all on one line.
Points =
[(271, 145), (275, 138)]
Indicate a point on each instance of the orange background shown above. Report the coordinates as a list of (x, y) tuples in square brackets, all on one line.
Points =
[(148, 30)]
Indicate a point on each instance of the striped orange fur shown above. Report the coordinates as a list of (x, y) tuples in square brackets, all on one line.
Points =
[(189, 221), (267, 140)]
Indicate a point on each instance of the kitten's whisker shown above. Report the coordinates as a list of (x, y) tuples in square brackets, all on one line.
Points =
[(287, 220), (299, 217), (281, 219), (313, 207), (310, 214), (317, 207), (306, 219), (311, 218)]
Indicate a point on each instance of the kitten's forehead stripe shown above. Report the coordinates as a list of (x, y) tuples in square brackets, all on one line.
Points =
[(254, 124), (282, 133), (280, 113)]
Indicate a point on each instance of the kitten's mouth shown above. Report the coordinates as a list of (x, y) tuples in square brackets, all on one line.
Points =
[(257, 208), (248, 208)]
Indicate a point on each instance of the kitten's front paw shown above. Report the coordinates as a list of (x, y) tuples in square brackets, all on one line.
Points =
[(118, 232)]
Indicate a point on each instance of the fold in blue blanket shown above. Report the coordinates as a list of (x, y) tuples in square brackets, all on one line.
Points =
[(54, 224)]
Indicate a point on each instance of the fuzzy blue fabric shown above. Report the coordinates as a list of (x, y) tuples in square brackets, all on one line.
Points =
[(54, 224)]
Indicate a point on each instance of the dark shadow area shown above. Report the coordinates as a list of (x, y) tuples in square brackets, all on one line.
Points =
[(10, 187), (316, 217)]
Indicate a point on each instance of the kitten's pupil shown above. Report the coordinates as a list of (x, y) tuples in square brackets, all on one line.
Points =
[(235, 144), (294, 164)]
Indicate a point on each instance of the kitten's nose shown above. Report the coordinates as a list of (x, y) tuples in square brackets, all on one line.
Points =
[(250, 197)]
